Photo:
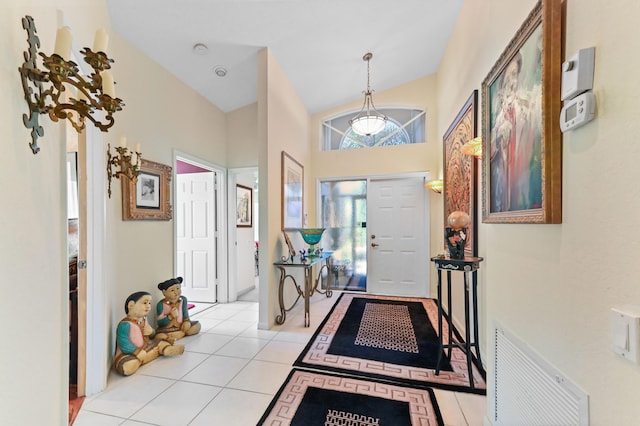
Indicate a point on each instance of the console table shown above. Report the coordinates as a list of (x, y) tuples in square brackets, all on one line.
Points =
[(467, 265), (310, 285)]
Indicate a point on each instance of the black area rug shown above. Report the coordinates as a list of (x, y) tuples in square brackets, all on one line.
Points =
[(388, 338), (309, 398)]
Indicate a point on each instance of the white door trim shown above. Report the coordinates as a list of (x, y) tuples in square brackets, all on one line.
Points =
[(97, 334)]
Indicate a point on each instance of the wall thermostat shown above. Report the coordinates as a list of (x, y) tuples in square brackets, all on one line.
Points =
[(577, 73), (578, 111)]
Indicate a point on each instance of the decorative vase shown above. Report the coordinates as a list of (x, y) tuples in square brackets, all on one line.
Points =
[(456, 240), (312, 237)]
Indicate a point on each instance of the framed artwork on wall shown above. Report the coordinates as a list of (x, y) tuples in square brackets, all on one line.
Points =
[(292, 193), (244, 204), (522, 142), (460, 171), (149, 197)]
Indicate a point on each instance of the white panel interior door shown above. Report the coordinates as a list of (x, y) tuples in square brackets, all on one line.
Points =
[(196, 235), (397, 261)]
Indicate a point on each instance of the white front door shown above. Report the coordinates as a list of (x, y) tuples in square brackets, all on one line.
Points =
[(196, 235), (397, 237)]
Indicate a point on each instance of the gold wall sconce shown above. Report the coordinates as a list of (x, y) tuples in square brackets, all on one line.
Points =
[(124, 163), (435, 185), (473, 147), (43, 89)]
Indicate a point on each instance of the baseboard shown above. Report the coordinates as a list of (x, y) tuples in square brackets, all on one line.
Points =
[(246, 290), (486, 421)]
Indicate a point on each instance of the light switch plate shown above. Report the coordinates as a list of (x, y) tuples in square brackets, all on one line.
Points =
[(625, 329)]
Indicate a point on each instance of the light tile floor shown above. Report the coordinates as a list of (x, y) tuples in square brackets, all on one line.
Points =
[(228, 375)]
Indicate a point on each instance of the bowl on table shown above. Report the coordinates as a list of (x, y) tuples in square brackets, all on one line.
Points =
[(311, 236)]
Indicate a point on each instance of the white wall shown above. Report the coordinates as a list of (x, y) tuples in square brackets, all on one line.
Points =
[(283, 124), (162, 114), (553, 285), (33, 253), (242, 129)]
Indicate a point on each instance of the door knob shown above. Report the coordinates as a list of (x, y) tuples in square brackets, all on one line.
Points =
[(374, 245), (373, 236)]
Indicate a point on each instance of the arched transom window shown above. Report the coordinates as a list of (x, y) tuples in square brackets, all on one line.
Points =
[(404, 126)]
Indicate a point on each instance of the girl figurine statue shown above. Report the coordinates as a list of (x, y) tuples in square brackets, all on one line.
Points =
[(136, 341), (173, 311)]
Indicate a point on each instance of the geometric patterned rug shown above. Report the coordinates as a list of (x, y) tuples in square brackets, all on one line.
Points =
[(309, 398), (392, 339)]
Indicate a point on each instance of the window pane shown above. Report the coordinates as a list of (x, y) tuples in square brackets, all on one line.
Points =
[(404, 126), (344, 215)]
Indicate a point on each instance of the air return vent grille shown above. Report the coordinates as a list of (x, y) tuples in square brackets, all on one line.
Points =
[(529, 391)]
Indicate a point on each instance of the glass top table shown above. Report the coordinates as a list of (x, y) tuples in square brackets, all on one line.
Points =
[(310, 284)]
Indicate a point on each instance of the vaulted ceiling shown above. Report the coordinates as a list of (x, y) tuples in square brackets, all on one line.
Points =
[(319, 44)]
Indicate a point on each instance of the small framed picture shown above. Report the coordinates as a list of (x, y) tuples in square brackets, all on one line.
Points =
[(148, 198), (292, 192), (244, 203), (148, 190)]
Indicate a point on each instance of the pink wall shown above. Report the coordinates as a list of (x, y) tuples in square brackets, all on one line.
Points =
[(182, 167)]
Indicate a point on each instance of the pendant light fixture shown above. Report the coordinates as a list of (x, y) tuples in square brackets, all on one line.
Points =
[(368, 121)]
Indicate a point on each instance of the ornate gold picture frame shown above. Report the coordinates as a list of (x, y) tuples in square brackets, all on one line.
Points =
[(460, 171), (149, 197), (522, 142)]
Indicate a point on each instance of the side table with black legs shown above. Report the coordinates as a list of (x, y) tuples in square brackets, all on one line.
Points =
[(468, 266)]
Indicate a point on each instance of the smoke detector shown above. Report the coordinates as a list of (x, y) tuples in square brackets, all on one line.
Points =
[(200, 48), (220, 71)]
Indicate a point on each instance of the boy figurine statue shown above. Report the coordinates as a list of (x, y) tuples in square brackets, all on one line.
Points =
[(173, 311), (136, 341)]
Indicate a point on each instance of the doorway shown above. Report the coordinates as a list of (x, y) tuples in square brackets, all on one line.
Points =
[(376, 229), (88, 307), (197, 228), (398, 236), (73, 250), (243, 232)]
